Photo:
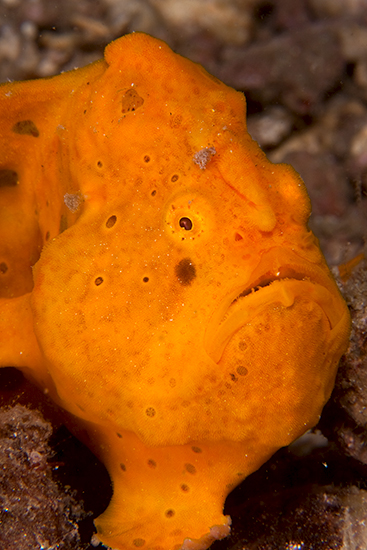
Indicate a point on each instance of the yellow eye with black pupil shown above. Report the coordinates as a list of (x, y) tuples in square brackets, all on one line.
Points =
[(185, 223)]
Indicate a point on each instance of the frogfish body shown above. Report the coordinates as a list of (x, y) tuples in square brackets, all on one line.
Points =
[(158, 280)]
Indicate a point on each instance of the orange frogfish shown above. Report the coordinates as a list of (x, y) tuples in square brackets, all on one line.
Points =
[(160, 283)]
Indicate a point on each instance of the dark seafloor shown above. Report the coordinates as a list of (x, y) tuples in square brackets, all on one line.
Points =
[(303, 67)]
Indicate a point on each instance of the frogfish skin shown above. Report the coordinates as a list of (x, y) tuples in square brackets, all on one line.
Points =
[(160, 283)]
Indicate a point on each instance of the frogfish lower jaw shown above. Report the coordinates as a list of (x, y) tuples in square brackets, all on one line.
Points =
[(280, 284)]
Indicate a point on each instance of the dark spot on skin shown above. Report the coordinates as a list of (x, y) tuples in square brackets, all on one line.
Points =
[(26, 128), (185, 272), (242, 346), (150, 412), (185, 223), (8, 178), (3, 268), (100, 164), (152, 463), (98, 281), (238, 237), (185, 488), (174, 178), (242, 371), (111, 221), (147, 158), (196, 449), (233, 377), (153, 193), (145, 279), (176, 121), (138, 542), (119, 435), (190, 468), (169, 513), (131, 101), (123, 467)]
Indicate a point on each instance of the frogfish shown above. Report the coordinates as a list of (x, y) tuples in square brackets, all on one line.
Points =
[(159, 282)]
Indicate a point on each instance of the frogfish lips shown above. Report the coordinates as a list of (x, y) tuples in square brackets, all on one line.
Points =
[(281, 280)]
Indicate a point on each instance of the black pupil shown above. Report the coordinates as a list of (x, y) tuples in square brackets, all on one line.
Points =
[(186, 223)]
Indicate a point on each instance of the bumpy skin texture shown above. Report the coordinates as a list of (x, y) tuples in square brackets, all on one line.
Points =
[(159, 281)]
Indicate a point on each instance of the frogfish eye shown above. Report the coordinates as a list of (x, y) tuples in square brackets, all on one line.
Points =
[(185, 223)]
